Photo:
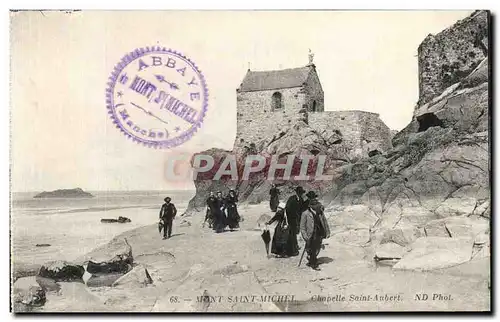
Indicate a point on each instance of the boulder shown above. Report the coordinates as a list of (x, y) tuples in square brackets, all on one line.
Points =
[(352, 217), (120, 220), (137, 277), (482, 239), (389, 251), (481, 251), (353, 237), (456, 207), (100, 280), (20, 269), (48, 285), (123, 219), (459, 227), (430, 253), (402, 235), (114, 257), (482, 248), (27, 291), (74, 298), (109, 220), (466, 227), (482, 209), (62, 271), (436, 228), (416, 216)]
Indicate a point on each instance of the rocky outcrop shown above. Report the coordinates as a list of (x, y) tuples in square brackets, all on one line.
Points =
[(64, 193), (389, 251), (100, 279), (430, 253), (446, 58), (431, 189), (137, 277), (204, 184), (298, 139), (115, 257), (120, 220), (47, 284), (62, 271), (27, 293), (20, 269)]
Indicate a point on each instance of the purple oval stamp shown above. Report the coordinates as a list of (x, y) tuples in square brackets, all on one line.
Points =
[(157, 96)]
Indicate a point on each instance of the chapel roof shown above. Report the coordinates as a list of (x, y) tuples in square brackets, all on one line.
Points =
[(275, 79)]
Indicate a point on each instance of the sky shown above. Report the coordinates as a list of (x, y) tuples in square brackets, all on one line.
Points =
[(62, 137)]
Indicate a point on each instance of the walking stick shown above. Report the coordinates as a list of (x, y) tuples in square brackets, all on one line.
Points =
[(302, 256)]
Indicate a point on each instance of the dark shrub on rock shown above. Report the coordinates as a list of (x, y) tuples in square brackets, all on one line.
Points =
[(114, 258), (61, 271)]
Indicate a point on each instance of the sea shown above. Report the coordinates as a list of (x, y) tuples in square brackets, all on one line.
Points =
[(71, 227)]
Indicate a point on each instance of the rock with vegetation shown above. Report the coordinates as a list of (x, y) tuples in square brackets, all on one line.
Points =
[(114, 257), (64, 193), (62, 271)]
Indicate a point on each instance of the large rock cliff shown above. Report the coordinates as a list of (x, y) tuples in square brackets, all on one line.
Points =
[(446, 58), (427, 200), (438, 165)]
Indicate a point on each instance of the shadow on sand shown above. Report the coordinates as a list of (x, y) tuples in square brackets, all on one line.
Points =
[(179, 234), (324, 260)]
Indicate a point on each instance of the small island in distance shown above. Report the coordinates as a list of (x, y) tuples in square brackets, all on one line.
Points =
[(65, 193)]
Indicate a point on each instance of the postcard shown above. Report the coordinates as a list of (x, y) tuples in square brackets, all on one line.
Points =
[(250, 161)]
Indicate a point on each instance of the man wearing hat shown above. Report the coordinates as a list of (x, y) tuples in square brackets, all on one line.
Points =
[(167, 215), (294, 207), (314, 228)]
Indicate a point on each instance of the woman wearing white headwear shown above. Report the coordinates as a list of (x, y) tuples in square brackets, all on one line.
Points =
[(284, 242)]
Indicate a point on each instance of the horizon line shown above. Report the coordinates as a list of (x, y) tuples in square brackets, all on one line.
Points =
[(90, 190)]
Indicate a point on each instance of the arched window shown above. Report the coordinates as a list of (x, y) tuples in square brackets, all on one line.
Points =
[(314, 106), (277, 101)]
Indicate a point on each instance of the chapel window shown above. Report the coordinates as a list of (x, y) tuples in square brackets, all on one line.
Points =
[(277, 101)]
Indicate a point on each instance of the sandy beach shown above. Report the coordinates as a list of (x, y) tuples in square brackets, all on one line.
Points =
[(72, 228), (233, 266)]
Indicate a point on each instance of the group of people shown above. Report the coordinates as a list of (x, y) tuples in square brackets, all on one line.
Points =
[(302, 213), (222, 211)]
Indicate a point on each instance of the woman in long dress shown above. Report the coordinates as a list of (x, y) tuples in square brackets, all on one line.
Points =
[(233, 218), (219, 216), (284, 242), (274, 198)]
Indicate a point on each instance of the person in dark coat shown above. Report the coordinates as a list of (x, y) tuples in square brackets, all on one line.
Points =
[(233, 218), (167, 215), (274, 200), (314, 228), (209, 216), (219, 216), (291, 247), (294, 208)]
